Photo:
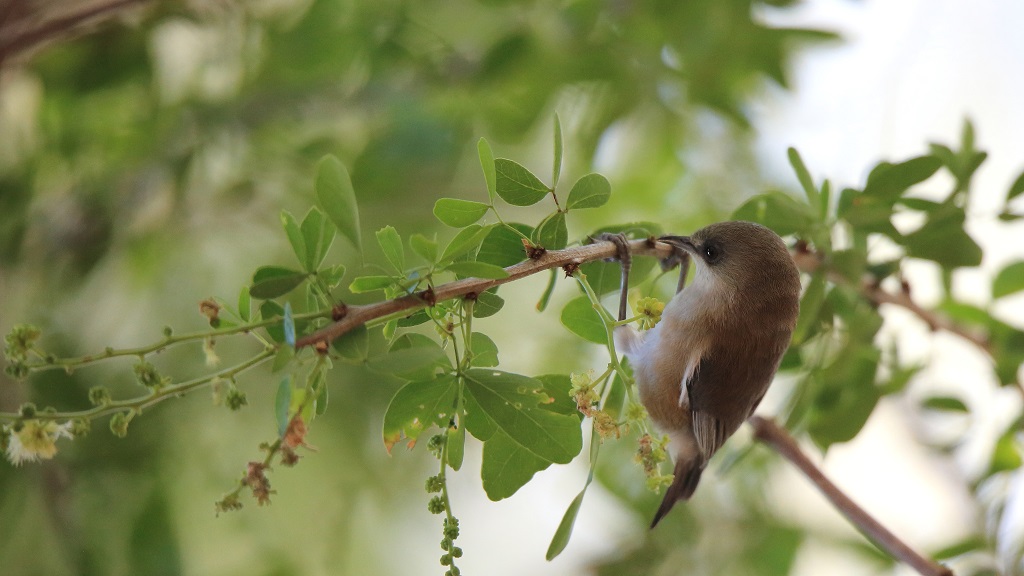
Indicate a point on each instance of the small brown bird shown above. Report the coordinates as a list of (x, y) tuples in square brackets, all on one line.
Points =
[(705, 367)]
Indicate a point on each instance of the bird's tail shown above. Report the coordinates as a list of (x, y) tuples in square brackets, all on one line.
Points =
[(687, 475)]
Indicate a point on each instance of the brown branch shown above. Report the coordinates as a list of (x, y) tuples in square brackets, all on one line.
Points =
[(771, 434), (56, 27), (470, 287)]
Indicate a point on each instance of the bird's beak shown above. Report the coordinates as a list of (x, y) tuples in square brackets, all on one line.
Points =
[(680, 242)]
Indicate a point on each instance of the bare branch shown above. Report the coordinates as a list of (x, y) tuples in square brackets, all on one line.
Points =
[(470, 287), (771, 434)]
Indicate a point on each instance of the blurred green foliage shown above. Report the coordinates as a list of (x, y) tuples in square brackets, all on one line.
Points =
[(145, 167)]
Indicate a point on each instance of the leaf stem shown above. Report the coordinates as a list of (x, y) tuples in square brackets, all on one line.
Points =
[(156, 396)]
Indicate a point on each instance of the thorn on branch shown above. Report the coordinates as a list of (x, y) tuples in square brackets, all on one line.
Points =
[(321, 347), (428, 296), (533, 251)]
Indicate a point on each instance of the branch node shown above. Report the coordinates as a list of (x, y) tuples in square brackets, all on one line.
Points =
[(533, 251), (321, 347), (339, 311), (428, 296), (571, 269)]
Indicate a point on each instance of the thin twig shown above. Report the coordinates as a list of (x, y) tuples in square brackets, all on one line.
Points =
[(58, 26), (771, 434), (470, 287)]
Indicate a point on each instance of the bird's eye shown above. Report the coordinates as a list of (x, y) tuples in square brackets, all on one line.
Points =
[(712, 253)]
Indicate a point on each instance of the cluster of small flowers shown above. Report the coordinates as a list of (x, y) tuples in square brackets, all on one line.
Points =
[(33, 440), (650, 454), (451, 532), (650, 310), (19, 342), (257, 481), (587, 400)]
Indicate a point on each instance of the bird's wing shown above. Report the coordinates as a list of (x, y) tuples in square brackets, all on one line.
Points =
[(707, 406)]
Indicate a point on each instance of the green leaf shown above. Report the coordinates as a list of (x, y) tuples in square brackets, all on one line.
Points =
[(483, 150), (552, 233), (332, 275), (274, 281), (268, 310), (282, 403), (1008, 351), (424, 247), (322, 392), (487, 304), (507, 466), (283, 357), (556, 171), (288, 324), (510, 401), (369, 284), (391, 244), (415, 319), (1010, 280), (966, 313), (590, 191), (1006, 455), (353, 345), (545, 296), (412, 357), (517, 185), (485, 351), (867, 213), (851, 264), (889, 181), (318, 235), (943, 239), (336, 196), (777, 211), (466, 240), (504, 247), (810, 309), (803, 175), (244, 304), (557, 387), (944, 404), (477, 422), (965, 546), (582, 320), (459, 213), (845, 394), (456, 446), (295, 238), (1016, 189), (468, 268), (417, 406), (561, 538)]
